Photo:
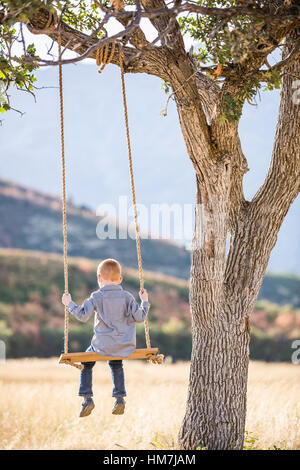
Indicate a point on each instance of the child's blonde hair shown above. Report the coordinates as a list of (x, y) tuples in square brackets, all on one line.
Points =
[(110, 270)]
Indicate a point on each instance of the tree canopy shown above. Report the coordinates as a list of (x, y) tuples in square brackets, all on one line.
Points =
[(232, 39)]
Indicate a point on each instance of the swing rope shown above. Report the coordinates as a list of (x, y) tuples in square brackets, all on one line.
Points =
[(133, 196), (64, 201), (102, 59)]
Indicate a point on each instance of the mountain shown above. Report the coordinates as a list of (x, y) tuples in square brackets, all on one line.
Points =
[(31, 220), (97, 169)]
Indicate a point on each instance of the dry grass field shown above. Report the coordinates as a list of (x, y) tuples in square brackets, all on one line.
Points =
[(39, 406)]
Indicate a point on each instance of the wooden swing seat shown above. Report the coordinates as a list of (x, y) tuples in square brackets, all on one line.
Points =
[(73, 358)]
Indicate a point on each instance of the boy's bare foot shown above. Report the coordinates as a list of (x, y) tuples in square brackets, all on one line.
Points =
[(119, 406), (87, 408)]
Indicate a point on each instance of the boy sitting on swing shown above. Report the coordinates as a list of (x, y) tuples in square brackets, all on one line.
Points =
[(116, 312)]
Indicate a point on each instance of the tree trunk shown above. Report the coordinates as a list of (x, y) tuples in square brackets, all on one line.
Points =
[(224, 289), (216, 405)]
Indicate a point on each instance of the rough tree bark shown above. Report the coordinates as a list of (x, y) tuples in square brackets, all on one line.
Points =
[(223, 288)]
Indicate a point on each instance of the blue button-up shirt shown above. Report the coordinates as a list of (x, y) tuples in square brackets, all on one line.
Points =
[(116, 313)]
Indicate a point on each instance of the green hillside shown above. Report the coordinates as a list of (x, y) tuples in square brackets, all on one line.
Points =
[(31, 313)]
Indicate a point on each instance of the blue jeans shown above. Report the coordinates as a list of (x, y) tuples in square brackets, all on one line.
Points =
[(117, 373)]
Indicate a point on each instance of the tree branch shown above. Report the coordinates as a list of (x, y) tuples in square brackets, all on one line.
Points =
[(291, 57), (151, 61), (209, 93), (137, 37), (161, 21), (238, 75), (148, 59), (282, 182)]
